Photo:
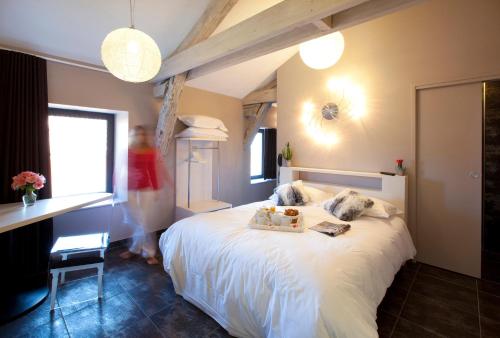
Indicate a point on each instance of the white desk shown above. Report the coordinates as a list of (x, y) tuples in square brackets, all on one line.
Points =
[(16, 215)]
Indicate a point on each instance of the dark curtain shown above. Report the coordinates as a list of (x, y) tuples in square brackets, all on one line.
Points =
[(24, 145), (269, 139), (491, 187)]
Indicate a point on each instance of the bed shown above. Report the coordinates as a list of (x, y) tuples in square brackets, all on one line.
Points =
[(259, 283)]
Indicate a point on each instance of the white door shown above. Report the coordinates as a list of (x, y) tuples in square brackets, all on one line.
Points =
[(449, 182)]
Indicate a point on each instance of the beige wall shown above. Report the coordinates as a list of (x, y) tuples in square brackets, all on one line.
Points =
[(89, 88), (235, 159), (436, 41)]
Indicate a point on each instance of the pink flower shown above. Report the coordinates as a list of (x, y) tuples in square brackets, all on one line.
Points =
[(27, 179), (38, 185), (31, 178), (26, 174), (17, 182), (39, 182)]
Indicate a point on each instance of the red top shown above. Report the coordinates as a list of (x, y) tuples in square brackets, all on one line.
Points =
[(142, 169)]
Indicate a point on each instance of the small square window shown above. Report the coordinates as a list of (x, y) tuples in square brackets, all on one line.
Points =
[(81, 152), (256, 156), (263, 156)]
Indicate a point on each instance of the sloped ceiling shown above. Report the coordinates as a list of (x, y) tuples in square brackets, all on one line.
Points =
[(241, 79), (74, 30)]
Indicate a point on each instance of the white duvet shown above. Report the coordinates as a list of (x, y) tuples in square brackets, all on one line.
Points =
[(259, 283)]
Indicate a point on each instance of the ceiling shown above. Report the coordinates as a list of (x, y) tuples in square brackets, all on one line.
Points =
[(75, 29), (241, 79)]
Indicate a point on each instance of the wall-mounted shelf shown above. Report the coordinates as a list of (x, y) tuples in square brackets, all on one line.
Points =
[(336, 172), (209, 139), (206, 206), (390, 188)]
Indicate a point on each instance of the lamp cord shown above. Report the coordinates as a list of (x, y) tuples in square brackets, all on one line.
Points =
[(132, 9)]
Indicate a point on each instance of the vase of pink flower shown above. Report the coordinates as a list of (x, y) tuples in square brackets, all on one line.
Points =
[(400, 168), (29, 182)]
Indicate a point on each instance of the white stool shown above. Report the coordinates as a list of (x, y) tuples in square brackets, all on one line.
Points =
[(90, 250)]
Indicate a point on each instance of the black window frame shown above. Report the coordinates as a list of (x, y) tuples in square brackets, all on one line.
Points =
[(255, 177), (110, 139)]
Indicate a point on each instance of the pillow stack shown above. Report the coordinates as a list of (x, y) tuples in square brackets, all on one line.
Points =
[(200, 126)]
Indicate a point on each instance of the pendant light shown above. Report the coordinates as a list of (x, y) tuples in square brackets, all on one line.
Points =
[(322, 52), (129, 54)]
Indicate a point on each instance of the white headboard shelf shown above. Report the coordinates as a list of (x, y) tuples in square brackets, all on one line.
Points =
[(392, 189), (334, 172)]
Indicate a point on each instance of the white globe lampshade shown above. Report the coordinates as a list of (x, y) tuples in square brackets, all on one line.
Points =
[(131, 55), (323, 52)]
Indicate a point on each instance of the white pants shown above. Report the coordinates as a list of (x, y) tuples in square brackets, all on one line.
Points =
[(145, 244), (139, 214)]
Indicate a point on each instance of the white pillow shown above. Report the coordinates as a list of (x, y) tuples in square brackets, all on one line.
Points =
[(382, 209), (316, 196), (202, 132), (202, 121)]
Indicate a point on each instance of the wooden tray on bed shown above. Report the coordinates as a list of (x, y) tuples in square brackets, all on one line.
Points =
[(269, 226)]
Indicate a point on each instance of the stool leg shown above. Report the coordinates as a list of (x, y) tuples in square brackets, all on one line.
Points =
[(100, 271), (53, 290), (63, 274)]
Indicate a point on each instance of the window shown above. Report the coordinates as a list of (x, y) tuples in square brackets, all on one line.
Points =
[(263, 155), (256, 153), (81, 151)]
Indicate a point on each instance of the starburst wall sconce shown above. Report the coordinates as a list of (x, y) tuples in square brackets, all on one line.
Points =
[(345, 104)]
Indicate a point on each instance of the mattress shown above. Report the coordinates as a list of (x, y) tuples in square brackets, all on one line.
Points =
[(259, 283)]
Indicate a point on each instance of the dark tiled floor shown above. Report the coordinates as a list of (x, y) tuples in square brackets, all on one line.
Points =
[(139, 301), (425, 301)]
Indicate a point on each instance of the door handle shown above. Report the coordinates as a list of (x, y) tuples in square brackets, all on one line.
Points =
[(474, 174)]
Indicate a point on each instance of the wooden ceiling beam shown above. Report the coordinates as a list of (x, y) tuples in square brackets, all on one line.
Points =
[(356, 15), (255, 107), (325, 24), (368, 11), (279, 42), (172, 89), (260, 96), (272, 22), (283, 25), (253, 124)]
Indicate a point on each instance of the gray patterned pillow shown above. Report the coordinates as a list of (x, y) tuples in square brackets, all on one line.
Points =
[(287, 194), (348, 205)]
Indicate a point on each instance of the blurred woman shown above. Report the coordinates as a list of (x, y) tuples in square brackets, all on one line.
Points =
[(145, 180)]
